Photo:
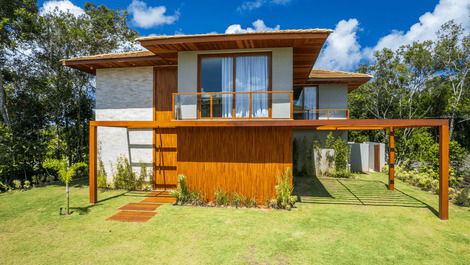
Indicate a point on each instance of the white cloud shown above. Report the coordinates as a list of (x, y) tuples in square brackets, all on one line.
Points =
[(65, 6), (254, 4), (258, 25), (343, 52), (147, 16), (342, 49)]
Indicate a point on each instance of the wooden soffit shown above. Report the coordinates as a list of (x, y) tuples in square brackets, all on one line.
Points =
[(306, 45), (89, 64), (353, 80)]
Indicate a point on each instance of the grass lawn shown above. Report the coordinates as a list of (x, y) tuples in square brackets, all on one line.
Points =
[(337, 222)]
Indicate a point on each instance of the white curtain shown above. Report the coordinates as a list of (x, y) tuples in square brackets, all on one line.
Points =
[(227, 86), (310, 94), (252, 75)]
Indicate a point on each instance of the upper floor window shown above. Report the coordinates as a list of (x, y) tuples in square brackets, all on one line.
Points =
[(236, 75)]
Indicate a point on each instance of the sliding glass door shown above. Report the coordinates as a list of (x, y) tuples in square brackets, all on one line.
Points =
[(252, 76), (235, 76)]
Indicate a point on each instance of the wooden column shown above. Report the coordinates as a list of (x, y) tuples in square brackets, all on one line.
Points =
[(391, 160), (92, 165), (444, 172)]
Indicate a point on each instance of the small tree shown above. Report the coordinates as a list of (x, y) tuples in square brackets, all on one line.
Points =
[(66, 174)]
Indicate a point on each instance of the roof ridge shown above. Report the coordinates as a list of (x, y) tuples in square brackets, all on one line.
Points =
[(310, 30)]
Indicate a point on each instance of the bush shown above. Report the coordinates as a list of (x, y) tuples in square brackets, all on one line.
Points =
[(17, 184), (102, 176), (125, 178), (342, 174), (284, 188), (27, 185), (181, 193), (142, 176), (221, 197), (463, 197), (237, 200)]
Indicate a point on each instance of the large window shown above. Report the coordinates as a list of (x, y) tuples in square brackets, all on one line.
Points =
[(239, 73), (306, 103)]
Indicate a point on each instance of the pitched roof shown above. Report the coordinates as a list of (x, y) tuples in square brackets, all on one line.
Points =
[(354, 80), (111, 60), (111, 56)]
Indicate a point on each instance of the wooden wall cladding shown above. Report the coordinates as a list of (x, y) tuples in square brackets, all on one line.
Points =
[(243, 160), (165, 145), (165, 158), (165, 79)]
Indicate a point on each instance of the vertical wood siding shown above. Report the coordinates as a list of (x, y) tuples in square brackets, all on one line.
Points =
[(243, 160), (165, 145)]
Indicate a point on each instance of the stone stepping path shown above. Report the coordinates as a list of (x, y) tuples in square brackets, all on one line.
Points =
[(143, 211), (132, 216), (140, 207)]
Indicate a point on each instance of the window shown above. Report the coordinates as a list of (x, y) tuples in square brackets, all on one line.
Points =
[(307, 101), (239, 73)]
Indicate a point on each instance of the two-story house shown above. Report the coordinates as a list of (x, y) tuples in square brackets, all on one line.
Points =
[(223, 109)]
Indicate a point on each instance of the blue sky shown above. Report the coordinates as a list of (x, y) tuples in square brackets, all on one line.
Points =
[(361, 26)]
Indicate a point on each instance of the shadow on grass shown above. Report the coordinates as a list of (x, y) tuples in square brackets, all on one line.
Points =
[(325, 190)]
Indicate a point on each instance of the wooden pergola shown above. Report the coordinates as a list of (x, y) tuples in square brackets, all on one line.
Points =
[(389, 125)]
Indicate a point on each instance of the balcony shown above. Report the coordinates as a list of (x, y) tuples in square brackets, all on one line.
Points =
[(277, 104), (303, 113)]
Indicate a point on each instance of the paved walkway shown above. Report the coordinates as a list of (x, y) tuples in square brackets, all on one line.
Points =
[(143, 211)]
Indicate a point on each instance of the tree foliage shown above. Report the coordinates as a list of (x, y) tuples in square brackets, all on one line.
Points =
[(45, 106), (423, 80)]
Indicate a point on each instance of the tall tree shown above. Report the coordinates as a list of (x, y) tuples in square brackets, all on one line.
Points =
[(453, 60), (16, 17)]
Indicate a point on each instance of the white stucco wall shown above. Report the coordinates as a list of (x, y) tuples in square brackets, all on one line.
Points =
[(282, 67), (124, 94), (333, 96)]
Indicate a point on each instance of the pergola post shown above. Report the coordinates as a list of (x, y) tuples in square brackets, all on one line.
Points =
[(444, 172), (92, 165), (391, 160)]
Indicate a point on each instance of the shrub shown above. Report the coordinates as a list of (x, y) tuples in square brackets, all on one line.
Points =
[(142, 176), (181, 193), (17, 184), (342, 174), (197, 199), (463, 197), (4, 187), (284, 188), (237, 200), (27, 185), (125, 177), (102, 176), (221, 197)]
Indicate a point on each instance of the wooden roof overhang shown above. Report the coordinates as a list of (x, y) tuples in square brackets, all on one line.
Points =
[(353, 80), (306, 45), (89, 64)]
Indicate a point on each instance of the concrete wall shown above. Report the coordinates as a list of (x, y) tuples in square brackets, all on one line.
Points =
[(124, 94), (333, 96), (362, 156), (282, 74), (305, 138), (359, 159)]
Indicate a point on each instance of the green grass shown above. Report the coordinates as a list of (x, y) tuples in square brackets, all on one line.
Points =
[(338, 222)]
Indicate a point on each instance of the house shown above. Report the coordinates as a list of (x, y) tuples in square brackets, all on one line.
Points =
[(223, 109)]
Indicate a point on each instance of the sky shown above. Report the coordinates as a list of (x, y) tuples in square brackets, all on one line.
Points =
[(360, 27)]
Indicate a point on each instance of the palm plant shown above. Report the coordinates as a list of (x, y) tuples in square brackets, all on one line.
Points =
[(66, 174)]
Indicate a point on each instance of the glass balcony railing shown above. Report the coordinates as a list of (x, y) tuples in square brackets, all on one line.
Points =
[(277, 104), (321, 114)]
